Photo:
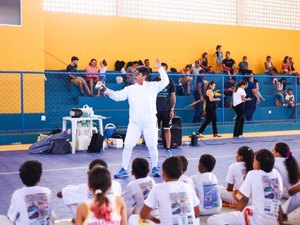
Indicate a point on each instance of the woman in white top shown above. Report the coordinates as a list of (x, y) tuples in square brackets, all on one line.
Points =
[(239, 98), (236, 175), (100, 209), (286, 165)]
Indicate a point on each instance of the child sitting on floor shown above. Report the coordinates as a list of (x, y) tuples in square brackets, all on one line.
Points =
[(30, 204), (101, 209), (294, 200), (206, 186), (138, 190), (177, 202), (286, 165), (263, 188), (184, 178), (236, 175), (74, 194)]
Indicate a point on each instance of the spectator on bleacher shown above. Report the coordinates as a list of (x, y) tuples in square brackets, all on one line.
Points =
[(204, 62), (244, 67), (270, 68), (77, 80), (31, 204), (219, 55), (147, 64), (102, 76), (286, 66), (101, 209), (290, 102), (229, 66), (184, 87), (210, 109), (210, 70), (119, 66), (130, 72), (251, 92), (92, 78), (280, 92), (165, 106), (228, 91), (293, 70), (198, 98), (260, 97)]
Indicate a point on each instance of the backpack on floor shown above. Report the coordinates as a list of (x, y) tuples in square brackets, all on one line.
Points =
[(96, 144), (60, 146)]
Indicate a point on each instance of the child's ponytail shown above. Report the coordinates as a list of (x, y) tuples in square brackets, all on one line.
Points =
[(291, 163), (100, 182), (248, 157)]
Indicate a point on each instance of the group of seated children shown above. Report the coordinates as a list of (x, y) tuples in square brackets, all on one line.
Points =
[(256, 184)]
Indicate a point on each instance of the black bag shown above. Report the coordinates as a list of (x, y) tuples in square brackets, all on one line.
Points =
[(76, 113), (96, 144), (60, 146), (176, 133)]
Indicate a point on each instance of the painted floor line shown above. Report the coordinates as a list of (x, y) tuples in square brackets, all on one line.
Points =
[(115, 164)]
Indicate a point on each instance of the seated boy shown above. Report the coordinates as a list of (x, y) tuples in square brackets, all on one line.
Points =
[(264, 186), (206, 186), (177, 202), (30, 204), (75, 194), (293, 201), (137, 190), (184, 178)]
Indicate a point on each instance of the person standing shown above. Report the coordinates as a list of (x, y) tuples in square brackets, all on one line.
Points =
[(165, 109), (210, 110), (239, 98), (142, 114)]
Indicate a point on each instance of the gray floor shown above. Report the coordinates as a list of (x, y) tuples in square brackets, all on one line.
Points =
[(61, 170)]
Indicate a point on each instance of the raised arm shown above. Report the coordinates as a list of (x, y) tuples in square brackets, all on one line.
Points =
[(163, 76)]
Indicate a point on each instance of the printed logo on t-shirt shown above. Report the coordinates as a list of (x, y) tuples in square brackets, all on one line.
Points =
[(211, 195), (37, 208), (181, 209), (145, 188), (272, 196)]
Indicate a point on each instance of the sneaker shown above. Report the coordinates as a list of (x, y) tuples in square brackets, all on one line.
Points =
[(168, 153), (284, 105), (241, 136), (121, 174), (155, 172)]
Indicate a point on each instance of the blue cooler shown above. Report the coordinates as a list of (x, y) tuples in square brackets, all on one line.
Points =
[(109, 130)]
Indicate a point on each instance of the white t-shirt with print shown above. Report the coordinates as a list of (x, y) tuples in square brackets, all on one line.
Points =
[(237, 96), (136, 192), (186, 179), (265, 191), (236, 174), (280, 166), (30, 206), (207, 190), (176, 201), (75, 194)]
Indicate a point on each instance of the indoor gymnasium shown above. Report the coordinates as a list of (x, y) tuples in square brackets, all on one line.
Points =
[(117, 112)]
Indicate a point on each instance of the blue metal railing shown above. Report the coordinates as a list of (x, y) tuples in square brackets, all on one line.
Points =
[(221, 77)]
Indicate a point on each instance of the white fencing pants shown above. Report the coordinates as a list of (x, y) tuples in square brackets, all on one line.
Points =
[(291, 204), (133, 134), (233, 218)]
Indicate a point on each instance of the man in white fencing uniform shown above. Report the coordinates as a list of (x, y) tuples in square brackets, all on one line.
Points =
[(142, 114)]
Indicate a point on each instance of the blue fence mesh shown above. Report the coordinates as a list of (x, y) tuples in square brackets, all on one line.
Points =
[(37, 101)]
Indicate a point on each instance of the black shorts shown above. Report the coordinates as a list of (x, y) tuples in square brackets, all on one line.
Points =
[(164, 118)]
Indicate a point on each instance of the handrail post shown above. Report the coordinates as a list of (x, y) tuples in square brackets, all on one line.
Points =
[(296, 98), (223, 103), (22, 103)]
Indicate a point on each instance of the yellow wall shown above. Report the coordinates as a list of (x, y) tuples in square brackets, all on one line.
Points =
[(21, 50), (88, 36)]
